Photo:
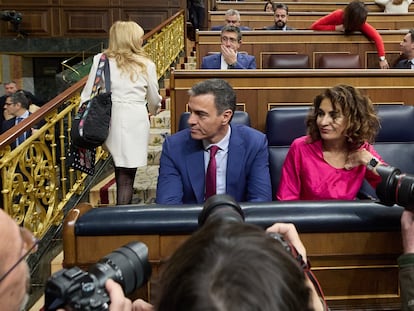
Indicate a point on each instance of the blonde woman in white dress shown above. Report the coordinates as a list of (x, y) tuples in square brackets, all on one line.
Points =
[(135, 91)]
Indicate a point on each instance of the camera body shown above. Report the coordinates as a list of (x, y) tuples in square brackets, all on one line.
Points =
[(395, 187), (79, 290), (11, 16)]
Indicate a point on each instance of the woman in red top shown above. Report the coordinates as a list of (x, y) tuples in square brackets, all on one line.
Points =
[(353, 18)]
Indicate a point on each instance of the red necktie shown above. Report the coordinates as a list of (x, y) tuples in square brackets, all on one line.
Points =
[(211, 174)]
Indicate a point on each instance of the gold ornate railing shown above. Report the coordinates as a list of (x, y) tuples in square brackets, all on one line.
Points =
[(37, 180)]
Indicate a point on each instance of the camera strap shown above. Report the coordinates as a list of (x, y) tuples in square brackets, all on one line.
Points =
[(306, 267)]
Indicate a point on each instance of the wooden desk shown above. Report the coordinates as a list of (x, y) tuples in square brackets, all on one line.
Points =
[(262, 43), (260, 90), (303, 20), (321, 6)]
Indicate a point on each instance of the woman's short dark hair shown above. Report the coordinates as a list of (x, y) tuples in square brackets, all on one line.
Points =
[(232, 266), (355, 15), (362, 123)]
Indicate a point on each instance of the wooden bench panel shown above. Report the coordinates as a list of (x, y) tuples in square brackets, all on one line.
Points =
[(357, 270), (303, 20), (262, 43), (260, 90)]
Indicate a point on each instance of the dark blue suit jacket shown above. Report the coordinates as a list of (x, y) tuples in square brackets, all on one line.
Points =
[(244, 61), (8, 124), (181, 177), (403, 64)]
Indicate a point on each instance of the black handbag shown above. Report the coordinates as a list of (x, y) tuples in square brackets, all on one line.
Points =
[(90, 127)]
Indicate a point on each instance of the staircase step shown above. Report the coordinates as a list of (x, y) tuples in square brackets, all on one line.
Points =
[(145, 186)]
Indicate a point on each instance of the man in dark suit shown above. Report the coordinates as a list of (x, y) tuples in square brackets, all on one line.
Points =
[(16, 105), (229, 58), (241, 160), (231, 18), (10, 88), (281, 17), (407, 50)]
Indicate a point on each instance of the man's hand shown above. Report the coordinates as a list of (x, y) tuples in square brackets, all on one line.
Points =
[(229, 55)]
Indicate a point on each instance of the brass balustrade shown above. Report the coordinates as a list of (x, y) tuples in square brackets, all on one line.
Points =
[(37, 180)]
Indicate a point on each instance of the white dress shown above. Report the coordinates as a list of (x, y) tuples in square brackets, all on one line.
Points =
[(393, 8), (129, 131)]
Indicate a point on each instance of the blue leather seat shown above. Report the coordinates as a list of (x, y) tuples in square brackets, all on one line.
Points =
[(283, 125), (239, 117)]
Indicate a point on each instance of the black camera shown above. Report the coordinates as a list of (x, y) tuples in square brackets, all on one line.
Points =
[(15, 18), (11, 16), (79, 290), (395, 187), (223, 207)]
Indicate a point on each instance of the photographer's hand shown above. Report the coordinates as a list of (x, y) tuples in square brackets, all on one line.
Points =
[(141, 305), (290, 234), (407, 231), (118, 300)]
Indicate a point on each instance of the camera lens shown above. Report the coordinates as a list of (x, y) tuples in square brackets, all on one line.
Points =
[(405, 191), (221, 207), (128, 266)]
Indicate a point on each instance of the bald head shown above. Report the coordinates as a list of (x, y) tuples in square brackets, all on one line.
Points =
[(14, 287)]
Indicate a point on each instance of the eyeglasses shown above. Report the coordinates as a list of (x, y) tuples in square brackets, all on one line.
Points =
[(226, 39), (31, 244)]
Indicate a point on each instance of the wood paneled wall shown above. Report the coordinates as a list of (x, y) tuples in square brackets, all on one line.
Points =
[(260, 90), (85, 18)]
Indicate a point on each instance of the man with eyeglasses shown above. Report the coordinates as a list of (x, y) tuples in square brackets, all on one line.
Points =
[(9, 89), (231, 18), (281, 17), (16, 244), (229, 58), (16, 105)]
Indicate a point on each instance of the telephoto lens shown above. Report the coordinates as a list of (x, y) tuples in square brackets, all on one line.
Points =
[(221, 207), (76, 289)]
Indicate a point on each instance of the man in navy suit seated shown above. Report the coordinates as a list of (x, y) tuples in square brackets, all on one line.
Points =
[(407, 50), (231, 18), (229, 58), (240, 152)]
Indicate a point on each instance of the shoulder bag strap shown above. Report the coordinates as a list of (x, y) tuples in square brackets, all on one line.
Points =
[(103, 63)]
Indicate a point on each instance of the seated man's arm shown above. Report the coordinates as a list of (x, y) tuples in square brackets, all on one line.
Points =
[(169, 186)]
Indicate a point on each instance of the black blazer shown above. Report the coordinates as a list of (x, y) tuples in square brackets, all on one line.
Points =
[(403, 64)]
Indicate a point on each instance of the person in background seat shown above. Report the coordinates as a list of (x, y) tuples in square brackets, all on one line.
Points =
[(230, 57), (353, 18), (231, 18), (281, 14), (407, 52)]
